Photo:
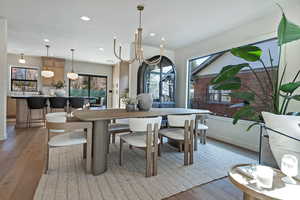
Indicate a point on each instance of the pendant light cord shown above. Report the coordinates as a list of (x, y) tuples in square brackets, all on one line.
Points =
[(72, 50)]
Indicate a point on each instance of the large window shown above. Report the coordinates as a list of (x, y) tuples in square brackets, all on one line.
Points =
[(218, 96), (94, 87), (203, 69), (159, 81), (24, 79)]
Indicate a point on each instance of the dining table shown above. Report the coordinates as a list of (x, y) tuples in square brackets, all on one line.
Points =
[(101, 120)]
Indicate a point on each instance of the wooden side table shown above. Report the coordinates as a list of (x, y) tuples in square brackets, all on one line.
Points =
[(248, 186)]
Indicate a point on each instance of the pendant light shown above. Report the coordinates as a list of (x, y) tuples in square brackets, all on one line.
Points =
[(72, 75), (46, 73), (22, 59)]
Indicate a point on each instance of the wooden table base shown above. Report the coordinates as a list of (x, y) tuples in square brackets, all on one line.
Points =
[(249, 197)]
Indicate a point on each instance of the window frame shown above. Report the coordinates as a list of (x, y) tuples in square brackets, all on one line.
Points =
[(89, 85), (23, 80), (219, 93)]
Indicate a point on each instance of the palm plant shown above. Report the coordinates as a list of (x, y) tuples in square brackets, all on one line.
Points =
[(227, 79)]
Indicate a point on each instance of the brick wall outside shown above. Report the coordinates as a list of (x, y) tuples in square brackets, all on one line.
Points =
[(248, 80)]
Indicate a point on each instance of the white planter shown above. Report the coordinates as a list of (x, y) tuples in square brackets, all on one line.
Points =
[(279, 144), (60, 92)]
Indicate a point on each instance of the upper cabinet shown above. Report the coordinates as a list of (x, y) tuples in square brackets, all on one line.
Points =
[(57, 65), (158, 80)]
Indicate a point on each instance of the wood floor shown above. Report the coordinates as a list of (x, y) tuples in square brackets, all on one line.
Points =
[(22, 160)]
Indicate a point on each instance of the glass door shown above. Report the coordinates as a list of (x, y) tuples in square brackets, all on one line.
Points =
[(92, 87)]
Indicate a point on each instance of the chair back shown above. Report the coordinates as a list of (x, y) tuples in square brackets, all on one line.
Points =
[(140, 124), (55, 122), (202, 118), (76, 102), (179, 120), (36, 102), (58, 102)]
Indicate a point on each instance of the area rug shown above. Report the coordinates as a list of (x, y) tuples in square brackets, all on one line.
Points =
[(67, 179)]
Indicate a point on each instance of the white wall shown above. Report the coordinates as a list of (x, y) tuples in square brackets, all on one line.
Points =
[(93, 69), (149, 52), (221, 128), (3, 77)]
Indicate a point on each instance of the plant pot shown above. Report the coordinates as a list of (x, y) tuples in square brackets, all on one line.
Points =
[(145, 102), (280, 144), (130, 107), (60, 92)]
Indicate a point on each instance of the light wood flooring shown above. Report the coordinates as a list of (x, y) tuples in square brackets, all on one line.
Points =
[(22, 160)]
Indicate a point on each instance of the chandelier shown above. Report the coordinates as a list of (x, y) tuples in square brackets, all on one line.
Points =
[(138, 49), (46, 73), (72, 75)]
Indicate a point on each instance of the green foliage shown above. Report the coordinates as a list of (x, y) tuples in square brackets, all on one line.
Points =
[(247, 96), (248, 53), (287, 31), (228, 72), (227, 79), (290, 87), (233, 83)]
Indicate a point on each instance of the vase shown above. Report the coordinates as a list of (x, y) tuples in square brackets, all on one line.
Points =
[(60, 92), (280, 144), (130, 107), (145, 101)]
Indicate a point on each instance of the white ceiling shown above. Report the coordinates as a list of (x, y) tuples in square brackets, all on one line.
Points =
[(181, 22)]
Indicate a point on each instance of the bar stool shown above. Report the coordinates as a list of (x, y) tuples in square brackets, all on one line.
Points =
[(36, 103), (75, 103), (58, 103), (144, 135)]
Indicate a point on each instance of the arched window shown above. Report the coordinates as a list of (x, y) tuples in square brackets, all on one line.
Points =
[(158, 80)]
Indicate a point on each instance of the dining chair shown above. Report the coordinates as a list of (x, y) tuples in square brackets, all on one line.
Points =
[(67, 134), (181, 129), (75, 103), (144, 135), (118, 126), (200, 130)]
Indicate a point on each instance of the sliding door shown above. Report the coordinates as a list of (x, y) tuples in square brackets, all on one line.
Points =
[(91, 86)]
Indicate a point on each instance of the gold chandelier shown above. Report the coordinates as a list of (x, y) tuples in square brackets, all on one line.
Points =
[(138, 49)]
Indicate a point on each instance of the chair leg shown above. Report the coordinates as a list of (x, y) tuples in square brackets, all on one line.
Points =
[(89, 150), (84, 150), (114, 138), (47, 160), (204, 137), (149, 162), (121, 152), (195, 140)]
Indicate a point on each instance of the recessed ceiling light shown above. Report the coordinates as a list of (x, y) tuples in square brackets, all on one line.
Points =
[(101, 49), (46, 40), (152, 34), (85, 18)]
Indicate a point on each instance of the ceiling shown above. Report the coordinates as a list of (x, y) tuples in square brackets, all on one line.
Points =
[(179, 22)]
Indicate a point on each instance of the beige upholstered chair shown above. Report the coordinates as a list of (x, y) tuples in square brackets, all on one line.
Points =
[(200, 130), (116, 127), (181, 129), (68, 133), (144, 135)]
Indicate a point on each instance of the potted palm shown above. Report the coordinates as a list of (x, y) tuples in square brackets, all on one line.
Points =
[(276, 101)]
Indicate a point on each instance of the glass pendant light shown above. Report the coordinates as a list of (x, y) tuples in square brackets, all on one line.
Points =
[(72, 75), (22, 59), (46, 73)]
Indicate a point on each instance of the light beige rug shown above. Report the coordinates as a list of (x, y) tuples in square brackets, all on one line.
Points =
[(67, 179)]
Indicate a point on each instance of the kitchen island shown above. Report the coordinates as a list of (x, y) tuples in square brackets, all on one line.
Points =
[(22, 109)]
